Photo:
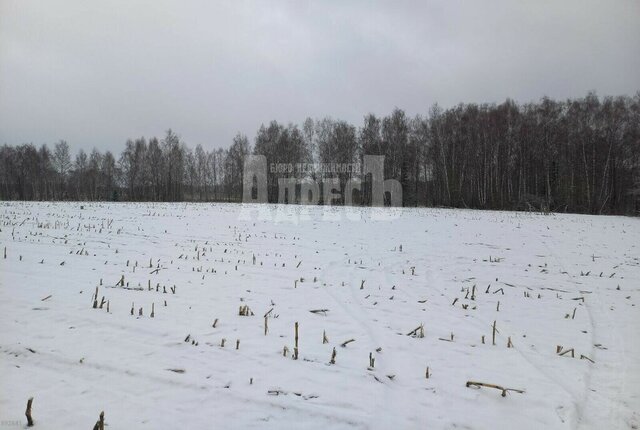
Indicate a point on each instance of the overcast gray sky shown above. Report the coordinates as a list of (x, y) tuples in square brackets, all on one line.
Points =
[(96, 73)]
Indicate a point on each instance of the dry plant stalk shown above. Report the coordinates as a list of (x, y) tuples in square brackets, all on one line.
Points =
[(497, 387), (100, 423), (28, 411), (245, 311), (586, 358), (347, 342), (333, 356), (567, 351), (295, 349), (493, 336), (417, 332)]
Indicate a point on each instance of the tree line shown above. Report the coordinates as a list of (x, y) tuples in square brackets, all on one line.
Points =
[(579, 155)]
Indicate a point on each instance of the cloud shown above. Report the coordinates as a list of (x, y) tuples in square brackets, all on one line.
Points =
[(96, 73)]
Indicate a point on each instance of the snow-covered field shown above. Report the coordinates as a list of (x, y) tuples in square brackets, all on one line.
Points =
[(547, 281)]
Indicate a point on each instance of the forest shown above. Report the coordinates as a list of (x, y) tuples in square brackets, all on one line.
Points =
[(578, 155)]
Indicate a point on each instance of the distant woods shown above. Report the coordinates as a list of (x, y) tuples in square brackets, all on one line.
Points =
[(579, 155)]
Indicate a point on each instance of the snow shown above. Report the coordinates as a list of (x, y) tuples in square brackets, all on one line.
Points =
[(77, 361)]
